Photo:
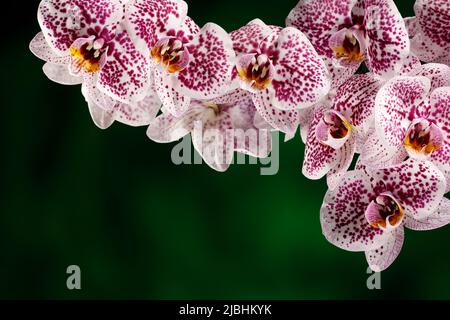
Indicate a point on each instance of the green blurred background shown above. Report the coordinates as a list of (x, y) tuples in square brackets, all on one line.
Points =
[(140, 227)]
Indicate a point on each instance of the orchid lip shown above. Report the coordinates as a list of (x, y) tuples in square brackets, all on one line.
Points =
[(87, 55), (256, 71), (422, 139), (171, 53), (385, 212), (333, 130), (347, 46)]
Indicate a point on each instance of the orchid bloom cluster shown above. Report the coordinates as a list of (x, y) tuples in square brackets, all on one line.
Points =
[(369, 90)]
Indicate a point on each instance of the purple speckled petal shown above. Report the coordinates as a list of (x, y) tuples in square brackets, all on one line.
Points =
[(319, 158), (301, 78), (248, 38), (64, 21), (439, 74), (438, 219), (212, 59), (410, 64), (150, 20), (41, 49), (125, 75), (343, 218), (338, 73), (173, 101), (286, 121), (320, 19), (419, 186), (432, 30), (388, 40), (376, 153), (60, 74), (92, 94), (345, 156), (395, 103), (355, 99), (381, 258), (440, 113)]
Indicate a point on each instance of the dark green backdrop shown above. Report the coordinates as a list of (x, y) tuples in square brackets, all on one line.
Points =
[(113, 203)]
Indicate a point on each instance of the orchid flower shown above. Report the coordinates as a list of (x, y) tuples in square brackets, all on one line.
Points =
[(339, 129), (218, 127), (412, 119), (187, 62), (369, 209), (430, 30), (281, 70), (86, 42), (348, 32)]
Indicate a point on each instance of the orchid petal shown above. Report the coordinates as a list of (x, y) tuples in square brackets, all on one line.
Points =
[(64, 21), (381, 258), (41, 49), (301, 78), (418, 185), (388, 40), (394, 104), (212, 59), (320, 19), (248, 38), (125, 75), (150, 20), (174, 102), (438, 219), (343, 218), (60, 74)]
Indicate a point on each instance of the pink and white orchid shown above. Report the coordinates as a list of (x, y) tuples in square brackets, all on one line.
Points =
[(412, 118), (430, 30), (188, 62), (348, 32), (86, 42), (218, 127), (337, 132), (281, 70), (369, 209)]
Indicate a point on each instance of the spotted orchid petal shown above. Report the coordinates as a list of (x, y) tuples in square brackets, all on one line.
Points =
[(395, 105), (345, 157), (431, 32), (301, 78), (376, 153), (381, 258), (150, 20), (174, 102), (439, 74), (343, 218), (248, 38), (440, 113), (60, 74), (41, 49), (64, 21), (355, 99), (212, 59), (320, 19), (125, 74), (438, 219), (419, 186), (388, 40), (286, 121)]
